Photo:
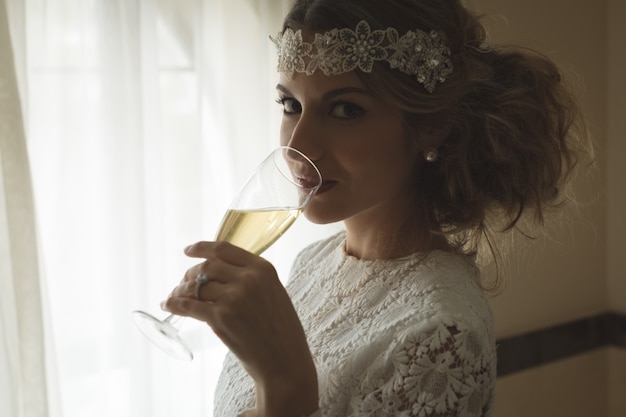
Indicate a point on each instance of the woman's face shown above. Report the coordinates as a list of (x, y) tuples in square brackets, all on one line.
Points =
[(360, 144)]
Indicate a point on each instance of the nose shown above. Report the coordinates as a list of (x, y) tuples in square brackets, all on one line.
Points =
[(305, 135), (302, 169)]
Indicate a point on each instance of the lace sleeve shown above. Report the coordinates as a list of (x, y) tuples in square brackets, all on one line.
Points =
[(445, 371)]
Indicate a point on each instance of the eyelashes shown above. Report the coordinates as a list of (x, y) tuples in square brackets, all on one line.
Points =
[(290, 105), (346, 110), (343, 110)]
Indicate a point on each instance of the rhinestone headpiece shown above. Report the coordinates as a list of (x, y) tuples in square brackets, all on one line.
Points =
[(422, 54)]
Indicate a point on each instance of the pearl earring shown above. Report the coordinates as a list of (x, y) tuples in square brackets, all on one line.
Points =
[(431, 155)]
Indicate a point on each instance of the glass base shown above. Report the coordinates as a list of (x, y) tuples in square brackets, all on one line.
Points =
[(163, 334)]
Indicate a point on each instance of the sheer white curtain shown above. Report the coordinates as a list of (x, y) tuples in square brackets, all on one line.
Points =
[(142, 119), (22, 368)]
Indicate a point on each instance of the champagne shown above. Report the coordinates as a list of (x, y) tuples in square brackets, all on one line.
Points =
[(256, 230)]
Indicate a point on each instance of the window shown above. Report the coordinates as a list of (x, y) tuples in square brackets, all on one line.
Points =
[(142, 117)]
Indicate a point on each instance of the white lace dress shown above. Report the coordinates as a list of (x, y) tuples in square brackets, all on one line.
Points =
[(405, 337)]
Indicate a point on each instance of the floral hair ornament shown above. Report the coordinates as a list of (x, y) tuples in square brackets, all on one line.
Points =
[(422, 54)]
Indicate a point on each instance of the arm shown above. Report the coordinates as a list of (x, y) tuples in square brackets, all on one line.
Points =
[(444, 369), (248, 308)]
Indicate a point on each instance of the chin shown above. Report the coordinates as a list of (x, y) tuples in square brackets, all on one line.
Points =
[(317, 215)]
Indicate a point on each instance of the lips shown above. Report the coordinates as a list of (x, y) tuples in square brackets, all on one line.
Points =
[(306, 182), (326, 185)]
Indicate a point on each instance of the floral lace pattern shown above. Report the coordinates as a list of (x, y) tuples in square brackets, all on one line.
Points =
[(406, 337), (422, 54)]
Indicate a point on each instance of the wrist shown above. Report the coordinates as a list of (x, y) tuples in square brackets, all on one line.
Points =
[(287, 397)]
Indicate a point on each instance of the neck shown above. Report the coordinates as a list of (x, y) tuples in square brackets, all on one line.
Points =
[(387, 238)]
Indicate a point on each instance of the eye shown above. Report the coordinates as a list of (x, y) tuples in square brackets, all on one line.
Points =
[(346, 111), (290, 105)]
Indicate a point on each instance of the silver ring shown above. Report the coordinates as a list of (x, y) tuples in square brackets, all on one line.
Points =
[(201, 279)]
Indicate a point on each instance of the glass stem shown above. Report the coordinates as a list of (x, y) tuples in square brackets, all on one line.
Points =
[(173, 320)]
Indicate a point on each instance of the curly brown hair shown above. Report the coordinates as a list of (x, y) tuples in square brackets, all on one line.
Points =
[(515, 128)]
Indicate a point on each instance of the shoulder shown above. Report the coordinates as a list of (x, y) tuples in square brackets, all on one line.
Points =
[(438, 306), (437, 284), (431, 350), (436, 353)]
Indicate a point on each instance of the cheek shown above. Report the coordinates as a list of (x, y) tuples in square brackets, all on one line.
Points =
[(392, 149), (388, 162)]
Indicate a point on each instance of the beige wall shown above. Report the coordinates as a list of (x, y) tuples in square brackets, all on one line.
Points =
[(581, 271), (617, 382), (553, 281), (553, 390), (616, 195), (616, 155)]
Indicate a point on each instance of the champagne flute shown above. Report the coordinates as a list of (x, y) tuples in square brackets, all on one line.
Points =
[(266, 206)]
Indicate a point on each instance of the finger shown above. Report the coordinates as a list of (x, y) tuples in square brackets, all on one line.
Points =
[(216, 271), (220, 250), (193, 307), (202, 311), (205, 288), (192, 273), (211, 290), (183, 306)]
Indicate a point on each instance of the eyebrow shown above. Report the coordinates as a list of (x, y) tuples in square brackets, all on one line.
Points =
[(332, 93)]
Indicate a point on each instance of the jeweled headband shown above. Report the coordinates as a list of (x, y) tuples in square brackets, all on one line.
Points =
[(422, 54)]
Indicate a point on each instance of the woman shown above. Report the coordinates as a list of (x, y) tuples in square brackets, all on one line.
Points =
[(430, 142)]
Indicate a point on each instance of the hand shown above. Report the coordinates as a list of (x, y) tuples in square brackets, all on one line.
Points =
[(248, 308)]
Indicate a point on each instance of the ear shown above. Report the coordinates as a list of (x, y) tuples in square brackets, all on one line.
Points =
[(433, 137)]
